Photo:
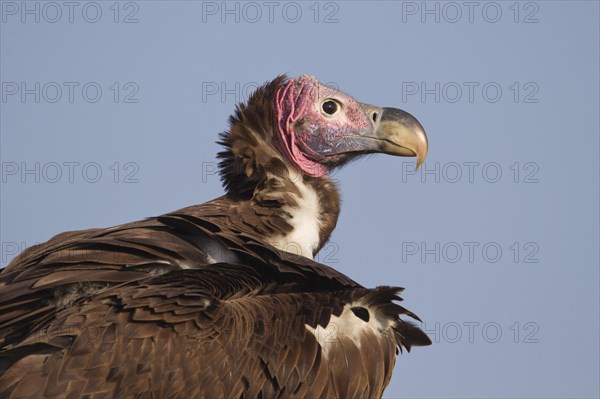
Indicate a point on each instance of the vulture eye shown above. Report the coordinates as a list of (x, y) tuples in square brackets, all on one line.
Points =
[(330, 107)]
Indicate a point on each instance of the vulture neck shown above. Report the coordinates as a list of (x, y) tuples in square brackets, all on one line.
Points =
[(292, 211), (305, 209)]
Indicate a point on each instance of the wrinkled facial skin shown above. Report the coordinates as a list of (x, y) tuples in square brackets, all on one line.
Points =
[(320, 128), (308, 136), (324, 137)]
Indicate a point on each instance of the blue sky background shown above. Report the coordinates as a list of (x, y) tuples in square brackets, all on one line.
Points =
[(109, 113)]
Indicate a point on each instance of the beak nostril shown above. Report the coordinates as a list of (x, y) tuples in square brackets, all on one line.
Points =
[(374, 116)]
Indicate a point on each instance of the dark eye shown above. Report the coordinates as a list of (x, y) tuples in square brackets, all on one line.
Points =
[(330, 107)]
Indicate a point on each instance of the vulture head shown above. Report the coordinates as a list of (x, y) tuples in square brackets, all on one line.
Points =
[(313, 128)]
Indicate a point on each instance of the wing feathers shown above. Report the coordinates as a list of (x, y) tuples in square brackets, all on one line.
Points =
[(190, 333), (143, 309)]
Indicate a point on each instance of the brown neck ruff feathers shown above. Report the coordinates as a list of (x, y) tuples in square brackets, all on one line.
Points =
[(253, 170)]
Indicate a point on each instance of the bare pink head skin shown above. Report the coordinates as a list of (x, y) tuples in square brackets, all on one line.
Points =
[(319, 127)]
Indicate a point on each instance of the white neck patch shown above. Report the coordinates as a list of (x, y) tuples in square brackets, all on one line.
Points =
[(304, 238)]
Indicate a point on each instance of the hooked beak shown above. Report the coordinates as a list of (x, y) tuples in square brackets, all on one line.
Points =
[(399, 133), (389, 131)]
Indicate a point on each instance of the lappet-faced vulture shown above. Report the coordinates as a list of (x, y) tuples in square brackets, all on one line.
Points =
[(222, 299)]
